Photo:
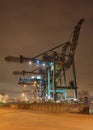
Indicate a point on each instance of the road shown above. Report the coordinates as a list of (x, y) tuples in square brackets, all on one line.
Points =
[(25, 119)]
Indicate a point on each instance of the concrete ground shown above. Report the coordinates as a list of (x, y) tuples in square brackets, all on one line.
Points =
[(25, 119)]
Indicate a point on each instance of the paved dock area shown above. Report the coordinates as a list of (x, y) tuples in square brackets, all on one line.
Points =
[(25, 119)]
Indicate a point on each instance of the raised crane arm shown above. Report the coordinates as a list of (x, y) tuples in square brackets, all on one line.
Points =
[(73, 44)]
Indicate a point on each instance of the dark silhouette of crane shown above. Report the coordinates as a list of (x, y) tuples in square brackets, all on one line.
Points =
[(57, 63)]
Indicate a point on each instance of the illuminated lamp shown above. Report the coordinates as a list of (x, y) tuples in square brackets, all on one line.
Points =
[(51, 63), (35, 82), (49, 97), (30, 62), (37, 61), (32, 77), (43, 64), (23, 94), (38, 85), (24, 86), (38, 77)]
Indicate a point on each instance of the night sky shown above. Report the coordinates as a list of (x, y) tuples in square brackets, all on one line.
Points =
[(29, 27)]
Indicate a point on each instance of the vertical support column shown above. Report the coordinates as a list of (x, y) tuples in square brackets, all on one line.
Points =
[(64, 77), (40, 87), (53, 79), (65, 91), (55, 94), (48, 81), (74, 77)]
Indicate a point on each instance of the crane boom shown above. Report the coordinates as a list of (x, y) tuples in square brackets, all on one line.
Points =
[(25, 72), (75, 37), (21, 59), (77, 31)]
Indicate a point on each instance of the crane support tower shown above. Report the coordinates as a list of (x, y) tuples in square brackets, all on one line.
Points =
[(56, 61)]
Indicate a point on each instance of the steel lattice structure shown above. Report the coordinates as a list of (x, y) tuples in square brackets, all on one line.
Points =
[(57, 63)]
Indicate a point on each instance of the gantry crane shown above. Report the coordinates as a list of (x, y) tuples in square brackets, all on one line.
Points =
[(57, 63), (37, 81)]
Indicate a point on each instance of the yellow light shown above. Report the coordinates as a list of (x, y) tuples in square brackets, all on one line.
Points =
[(24, 86), (23, 94), (35, 82)]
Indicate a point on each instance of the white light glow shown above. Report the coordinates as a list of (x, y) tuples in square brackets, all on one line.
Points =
[(51, 63), (49, 97), (32, 77), (38, 62), (43, 64), (30, 62), (38, 77)]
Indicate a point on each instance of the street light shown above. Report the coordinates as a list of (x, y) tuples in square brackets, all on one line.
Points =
[(23, 95)]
